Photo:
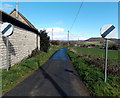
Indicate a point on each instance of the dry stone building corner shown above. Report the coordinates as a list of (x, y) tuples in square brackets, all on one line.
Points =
[(22, 42)]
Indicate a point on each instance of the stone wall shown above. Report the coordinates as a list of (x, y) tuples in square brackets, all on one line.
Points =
[(0, 48), (21, 44)]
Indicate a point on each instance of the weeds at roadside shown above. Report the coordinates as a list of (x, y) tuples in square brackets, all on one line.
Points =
[(93, 78), (96, 58)]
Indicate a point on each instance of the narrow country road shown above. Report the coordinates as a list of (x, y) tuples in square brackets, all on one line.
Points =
[(56, 77)]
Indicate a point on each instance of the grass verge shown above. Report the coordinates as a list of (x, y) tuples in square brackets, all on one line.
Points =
[(96, 57), (22, 69), (93, 78)]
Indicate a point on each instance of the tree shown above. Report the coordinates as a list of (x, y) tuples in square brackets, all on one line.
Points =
[(55, 42), (44, 41)]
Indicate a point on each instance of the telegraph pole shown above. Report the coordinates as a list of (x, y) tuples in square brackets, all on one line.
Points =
[(17, 10), (68, 38), (52, 34)]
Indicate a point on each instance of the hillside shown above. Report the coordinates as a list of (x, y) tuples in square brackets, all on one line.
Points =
[(101, 39)]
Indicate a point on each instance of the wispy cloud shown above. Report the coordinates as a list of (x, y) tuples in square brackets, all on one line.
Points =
[(55, 29), (61, 34), (59, 23), (76, 36), (6, 6)]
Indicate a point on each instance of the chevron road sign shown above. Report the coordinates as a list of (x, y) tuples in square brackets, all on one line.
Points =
[(107, 31), (6, 29)]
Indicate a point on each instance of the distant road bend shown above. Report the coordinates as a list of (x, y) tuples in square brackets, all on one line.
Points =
[(56, 77)]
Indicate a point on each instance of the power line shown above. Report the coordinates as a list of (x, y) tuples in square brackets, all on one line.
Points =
[(76, 16)]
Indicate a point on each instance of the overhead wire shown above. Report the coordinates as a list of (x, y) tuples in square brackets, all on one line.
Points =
[(76, 15)]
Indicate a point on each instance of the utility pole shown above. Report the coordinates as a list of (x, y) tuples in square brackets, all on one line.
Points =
[(68, 38), (17, 10), (78, 41), (52, 34)]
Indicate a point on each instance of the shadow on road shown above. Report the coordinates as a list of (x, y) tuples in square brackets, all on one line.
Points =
[(56, 77), (58, 88)]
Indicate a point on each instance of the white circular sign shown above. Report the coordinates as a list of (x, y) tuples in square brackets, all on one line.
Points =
[(6, 29), (107, 31)]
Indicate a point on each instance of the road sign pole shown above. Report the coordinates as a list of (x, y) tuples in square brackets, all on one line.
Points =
[(106, 32), (106, 55), (7, 55)]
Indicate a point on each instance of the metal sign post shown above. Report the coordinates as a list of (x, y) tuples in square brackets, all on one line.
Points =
[(106, 56), (7, 54), (106, 32)]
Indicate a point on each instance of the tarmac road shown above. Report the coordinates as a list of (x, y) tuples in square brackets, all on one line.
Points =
[(56, 77)]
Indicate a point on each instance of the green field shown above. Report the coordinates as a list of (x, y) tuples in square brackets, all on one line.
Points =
[(97, 53), (96, 42)]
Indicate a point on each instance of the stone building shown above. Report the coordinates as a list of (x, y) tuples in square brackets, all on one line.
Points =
[(22, 42)]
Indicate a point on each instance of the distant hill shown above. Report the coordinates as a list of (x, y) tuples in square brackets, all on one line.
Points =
[(100, 39), (114, 39), (95, 39)]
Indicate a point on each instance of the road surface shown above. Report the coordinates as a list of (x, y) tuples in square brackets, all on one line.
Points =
[(56, 77)]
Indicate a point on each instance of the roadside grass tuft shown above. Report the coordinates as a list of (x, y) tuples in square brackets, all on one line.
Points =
[(93, 77)]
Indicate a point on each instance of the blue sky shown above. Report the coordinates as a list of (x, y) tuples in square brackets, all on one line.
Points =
[(60, 16)]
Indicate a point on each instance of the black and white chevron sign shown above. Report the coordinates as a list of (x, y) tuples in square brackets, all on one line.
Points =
[(6, 29), (107, 31)]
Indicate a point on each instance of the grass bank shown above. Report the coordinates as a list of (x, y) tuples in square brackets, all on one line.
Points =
[(93, 77), (96, 56), (22, 69)]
